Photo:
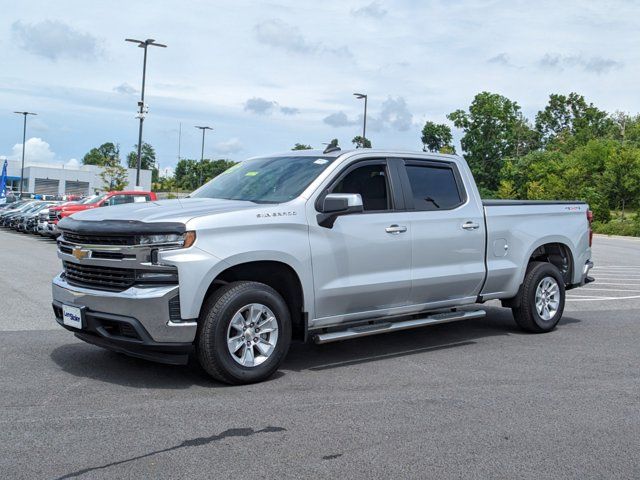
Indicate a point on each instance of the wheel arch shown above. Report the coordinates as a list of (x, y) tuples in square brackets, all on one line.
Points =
[(280, 276)]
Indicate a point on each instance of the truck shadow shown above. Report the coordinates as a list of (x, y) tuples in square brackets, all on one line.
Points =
[(461, 334), (87, 361)]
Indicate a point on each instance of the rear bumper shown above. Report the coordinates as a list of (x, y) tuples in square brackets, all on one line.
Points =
[(136, 322), (585, 278)]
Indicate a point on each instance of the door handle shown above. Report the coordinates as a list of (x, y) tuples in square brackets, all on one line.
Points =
[(395, 229), (470, 226)]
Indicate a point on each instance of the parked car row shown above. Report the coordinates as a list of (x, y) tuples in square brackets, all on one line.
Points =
[(24, 215), (41, 216)]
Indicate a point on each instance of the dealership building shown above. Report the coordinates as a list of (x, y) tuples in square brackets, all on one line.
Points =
[(57, 179)]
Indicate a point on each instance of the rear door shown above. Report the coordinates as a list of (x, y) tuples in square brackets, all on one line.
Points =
[(447, 234)]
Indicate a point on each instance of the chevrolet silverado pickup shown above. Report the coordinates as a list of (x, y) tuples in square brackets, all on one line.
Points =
[(313, 245)]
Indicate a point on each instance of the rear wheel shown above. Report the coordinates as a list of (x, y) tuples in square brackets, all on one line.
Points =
[(244, 333), (542, 298)]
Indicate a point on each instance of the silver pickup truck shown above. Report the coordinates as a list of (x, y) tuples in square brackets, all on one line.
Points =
[(315, 245)]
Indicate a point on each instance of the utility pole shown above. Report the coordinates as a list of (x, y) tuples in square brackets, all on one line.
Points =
[(364, 123), (142, 109), (204, 129), (24, 139)]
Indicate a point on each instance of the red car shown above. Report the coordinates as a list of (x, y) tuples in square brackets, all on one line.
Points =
[(105, 200)]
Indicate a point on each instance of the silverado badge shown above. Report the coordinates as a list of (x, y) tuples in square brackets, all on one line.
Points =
[(81, 253)]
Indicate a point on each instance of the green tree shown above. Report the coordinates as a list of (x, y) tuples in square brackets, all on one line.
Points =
[(494, 129), (114, 177), (188, 173), (436, 137), (621, 177), (147, 157), (106, 154), (302, 146), (360, 142), (625, 128), (569, 121)]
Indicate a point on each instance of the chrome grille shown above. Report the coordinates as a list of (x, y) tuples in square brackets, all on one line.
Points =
[(94, 276), (53, 216)]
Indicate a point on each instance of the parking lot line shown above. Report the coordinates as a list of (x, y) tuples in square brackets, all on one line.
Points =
[(587, 289), (590, 299)]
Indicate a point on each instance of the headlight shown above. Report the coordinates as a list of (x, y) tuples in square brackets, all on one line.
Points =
[(184, 240)]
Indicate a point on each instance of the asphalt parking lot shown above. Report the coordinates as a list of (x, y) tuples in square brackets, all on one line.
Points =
[(474, 399)]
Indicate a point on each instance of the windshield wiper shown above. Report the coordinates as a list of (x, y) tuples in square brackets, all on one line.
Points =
[(429, 199)]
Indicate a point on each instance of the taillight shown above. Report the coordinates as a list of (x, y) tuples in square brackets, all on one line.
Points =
[(590, 220)]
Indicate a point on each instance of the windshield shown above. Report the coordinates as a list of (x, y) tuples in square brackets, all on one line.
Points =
[(92, 200), (265, 180)]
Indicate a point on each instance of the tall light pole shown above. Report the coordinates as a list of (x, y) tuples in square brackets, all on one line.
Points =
[(364, 123), (204, 129), (142, 44), (24, 139)]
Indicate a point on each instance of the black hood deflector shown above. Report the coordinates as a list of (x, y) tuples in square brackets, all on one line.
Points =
[(119, 227)]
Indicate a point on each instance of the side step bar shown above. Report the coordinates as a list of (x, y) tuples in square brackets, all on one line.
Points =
[(375, 329)]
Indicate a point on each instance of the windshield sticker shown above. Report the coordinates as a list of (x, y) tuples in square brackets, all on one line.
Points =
[(251, 174), (321, 161)]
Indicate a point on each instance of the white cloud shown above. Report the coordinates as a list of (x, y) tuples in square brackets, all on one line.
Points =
[(233, 145), (72, 163), (339, 119), (394, 114), (595, 64), (289, 110), (53, 39), (125, 89), (259, 106), (37, 150), (279, 34), (373, 10)]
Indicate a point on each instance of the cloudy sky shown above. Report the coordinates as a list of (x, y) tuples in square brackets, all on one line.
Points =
[(265, 75)]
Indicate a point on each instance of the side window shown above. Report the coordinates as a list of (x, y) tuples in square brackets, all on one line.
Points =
[(433, 187), (371, 182), (140, 198), (120, 199)]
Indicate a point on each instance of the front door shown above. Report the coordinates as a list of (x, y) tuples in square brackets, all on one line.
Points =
[(362, 266)]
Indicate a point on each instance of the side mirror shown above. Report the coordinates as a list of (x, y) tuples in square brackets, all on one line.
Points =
[(335, 205)]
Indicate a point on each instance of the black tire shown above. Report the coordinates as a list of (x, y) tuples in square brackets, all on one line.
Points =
[(525, 313), (215, 317)]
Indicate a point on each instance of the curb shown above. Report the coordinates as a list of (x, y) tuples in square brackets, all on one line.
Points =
[(622, 237)]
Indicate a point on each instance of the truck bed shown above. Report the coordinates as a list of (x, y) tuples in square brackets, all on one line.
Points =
[(516, 228)]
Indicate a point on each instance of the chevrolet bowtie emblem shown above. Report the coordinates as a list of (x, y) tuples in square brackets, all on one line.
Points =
[(81, 253)]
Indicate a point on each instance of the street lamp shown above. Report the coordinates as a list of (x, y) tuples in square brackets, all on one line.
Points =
[(24, 139), (204, 129), (142, 44), (364, 125)]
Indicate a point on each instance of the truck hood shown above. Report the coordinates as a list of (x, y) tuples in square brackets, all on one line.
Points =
[(181, 210)]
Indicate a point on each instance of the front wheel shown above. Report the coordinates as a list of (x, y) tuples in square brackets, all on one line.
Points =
[(542, 297), (244, 333)]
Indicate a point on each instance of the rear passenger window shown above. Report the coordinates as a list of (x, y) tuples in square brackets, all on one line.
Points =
[(434, 187)]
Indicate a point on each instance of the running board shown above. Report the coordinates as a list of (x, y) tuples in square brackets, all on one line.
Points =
[(375, 329)]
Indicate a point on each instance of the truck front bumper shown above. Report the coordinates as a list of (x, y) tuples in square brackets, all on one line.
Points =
[(136, 322)]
